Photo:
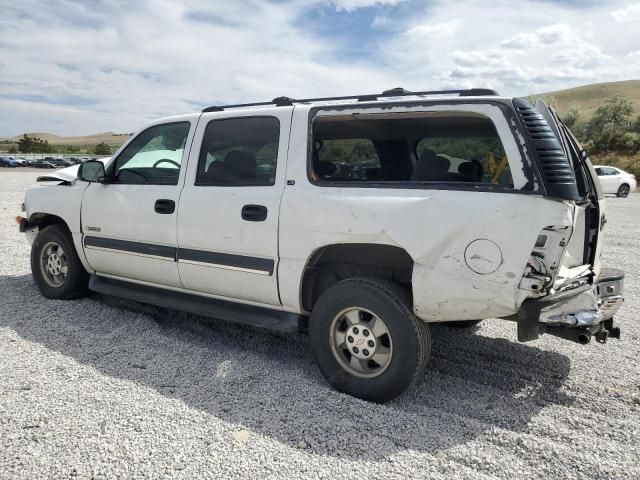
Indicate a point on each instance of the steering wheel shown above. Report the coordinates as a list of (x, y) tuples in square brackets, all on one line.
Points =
[(166, 160)]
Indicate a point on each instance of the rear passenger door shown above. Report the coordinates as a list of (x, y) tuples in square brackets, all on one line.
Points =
[(228, 210)]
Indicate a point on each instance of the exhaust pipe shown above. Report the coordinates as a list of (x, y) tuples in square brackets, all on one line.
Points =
[(583, 337), (578, 335)]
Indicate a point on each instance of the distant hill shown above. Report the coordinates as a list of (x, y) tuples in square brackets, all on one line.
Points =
[(109, 138), (588, 98)]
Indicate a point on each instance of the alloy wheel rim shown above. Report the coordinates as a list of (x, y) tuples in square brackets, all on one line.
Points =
[(361, 342), (53, 264), (624, 191)]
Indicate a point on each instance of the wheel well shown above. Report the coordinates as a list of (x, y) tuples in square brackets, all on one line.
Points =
[(333, 263), (45, 219)]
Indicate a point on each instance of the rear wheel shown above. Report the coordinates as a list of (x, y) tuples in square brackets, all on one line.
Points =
[(55, 265), (623, 191), (366, 340)]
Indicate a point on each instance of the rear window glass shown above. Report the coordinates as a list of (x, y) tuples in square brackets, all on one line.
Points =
[(444, 148)]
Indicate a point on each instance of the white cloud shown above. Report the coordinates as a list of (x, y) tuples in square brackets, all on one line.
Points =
[(116, 65), (434, 31), (351, 5), (151, 60), (551, 34), (516, 50), (628, 14)]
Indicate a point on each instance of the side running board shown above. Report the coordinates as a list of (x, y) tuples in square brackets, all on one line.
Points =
[(265, 318)]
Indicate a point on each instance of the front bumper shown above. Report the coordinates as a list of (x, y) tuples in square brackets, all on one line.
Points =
[(576, 314)]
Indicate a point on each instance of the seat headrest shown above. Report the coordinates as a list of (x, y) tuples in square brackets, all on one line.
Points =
[(325, 168), (427, 155), (239, 161), (471, 168)]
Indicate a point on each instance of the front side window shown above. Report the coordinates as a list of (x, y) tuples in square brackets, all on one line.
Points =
[(154, 156), (442, 147), (239, 152)]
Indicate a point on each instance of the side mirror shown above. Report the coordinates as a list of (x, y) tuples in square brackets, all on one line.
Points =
[(91, 171)]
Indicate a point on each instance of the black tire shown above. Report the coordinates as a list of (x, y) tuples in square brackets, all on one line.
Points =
[(623, 191), (409, 335), (462, 323), (76, 281)]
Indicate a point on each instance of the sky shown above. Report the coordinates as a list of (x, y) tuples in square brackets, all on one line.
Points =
[(79, 67)]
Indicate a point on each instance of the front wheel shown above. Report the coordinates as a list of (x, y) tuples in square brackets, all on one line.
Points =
[(623, 191), (366, 340), (55, 265)]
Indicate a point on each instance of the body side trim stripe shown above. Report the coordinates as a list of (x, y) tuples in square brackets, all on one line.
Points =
[(129, 246), (264, 266), (226, 260)]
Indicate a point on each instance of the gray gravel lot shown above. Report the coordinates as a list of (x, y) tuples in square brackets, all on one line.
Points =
[(106, 388)]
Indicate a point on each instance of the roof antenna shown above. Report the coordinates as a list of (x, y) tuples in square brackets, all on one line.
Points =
[(283, 101), (396, 92)]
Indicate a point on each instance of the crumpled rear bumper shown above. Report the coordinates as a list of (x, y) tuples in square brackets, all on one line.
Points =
[(576, 314)]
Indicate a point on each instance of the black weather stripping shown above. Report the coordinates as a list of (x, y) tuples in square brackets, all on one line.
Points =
[(131, 247), (226, 260), (546, 149)]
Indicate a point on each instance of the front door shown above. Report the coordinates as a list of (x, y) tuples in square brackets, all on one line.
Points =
[(228, 213), (129, 223)]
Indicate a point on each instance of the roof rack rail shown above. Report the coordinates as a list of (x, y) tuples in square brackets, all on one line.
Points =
[(394, 92)]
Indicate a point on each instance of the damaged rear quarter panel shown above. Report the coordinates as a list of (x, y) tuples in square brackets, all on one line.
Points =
[(435, 226)]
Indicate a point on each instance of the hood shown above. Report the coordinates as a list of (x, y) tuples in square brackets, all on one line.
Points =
[(67, 175)]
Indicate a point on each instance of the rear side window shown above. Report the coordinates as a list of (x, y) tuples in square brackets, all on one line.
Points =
[(239, 152), (477, 159), (347, 159), (442, 147)]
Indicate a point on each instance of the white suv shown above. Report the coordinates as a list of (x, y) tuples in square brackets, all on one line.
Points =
[(360, 220)]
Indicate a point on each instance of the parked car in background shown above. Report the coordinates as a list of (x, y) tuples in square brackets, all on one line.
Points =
[(21, 162), (42, 164), (615, 180), (58, 162), (7, 163)]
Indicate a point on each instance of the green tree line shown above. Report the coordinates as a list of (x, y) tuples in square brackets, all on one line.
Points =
[(28, 144), (614, 127)]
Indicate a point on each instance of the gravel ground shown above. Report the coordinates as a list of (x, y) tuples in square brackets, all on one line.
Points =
[(105, 388)]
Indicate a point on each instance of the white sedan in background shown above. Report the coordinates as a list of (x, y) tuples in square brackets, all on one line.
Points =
[(614, 180)]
